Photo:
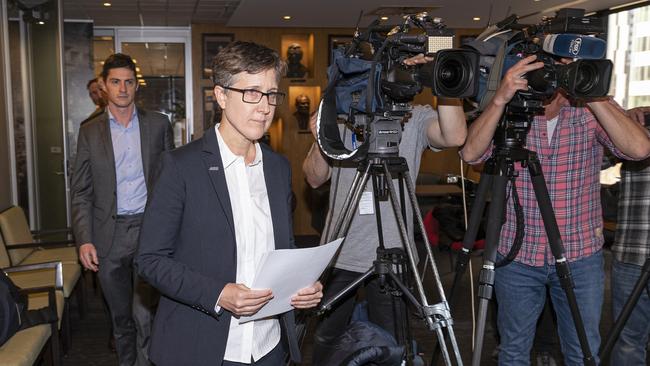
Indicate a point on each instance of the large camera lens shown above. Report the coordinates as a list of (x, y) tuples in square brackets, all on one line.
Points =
[(587, 78), (454, 73), (451, 74)]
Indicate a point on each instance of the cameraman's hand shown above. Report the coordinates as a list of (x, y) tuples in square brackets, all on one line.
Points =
[(418, 60), (514, 80), (638, 114)]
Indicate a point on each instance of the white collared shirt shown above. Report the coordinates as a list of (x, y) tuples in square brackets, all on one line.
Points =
[(254, 235)]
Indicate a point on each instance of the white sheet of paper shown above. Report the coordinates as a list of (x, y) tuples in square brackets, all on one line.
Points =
[(285, 271)]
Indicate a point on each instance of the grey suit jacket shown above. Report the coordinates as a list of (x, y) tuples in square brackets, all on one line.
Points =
[(93, 182)]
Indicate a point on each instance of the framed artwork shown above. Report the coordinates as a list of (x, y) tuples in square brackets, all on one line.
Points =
[(212, 44), (211, 109), (337, 41)]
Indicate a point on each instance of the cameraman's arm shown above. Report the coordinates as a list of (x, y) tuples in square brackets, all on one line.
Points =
[(630, 137), (481, 131), (450, 129), (316, 166)]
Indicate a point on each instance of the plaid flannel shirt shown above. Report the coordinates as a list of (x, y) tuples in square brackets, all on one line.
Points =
[(632, 240), (571, 166)]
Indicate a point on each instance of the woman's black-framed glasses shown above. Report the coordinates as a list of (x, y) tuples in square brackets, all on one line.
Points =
[(253, 96)]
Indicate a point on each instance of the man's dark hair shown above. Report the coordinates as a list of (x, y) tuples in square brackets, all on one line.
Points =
[(116, 61), (239, 56), (90, 82)]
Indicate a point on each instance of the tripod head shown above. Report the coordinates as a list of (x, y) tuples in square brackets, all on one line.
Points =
[(515, 123)]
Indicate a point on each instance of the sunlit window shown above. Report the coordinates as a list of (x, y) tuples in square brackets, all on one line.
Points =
[(628, 46)]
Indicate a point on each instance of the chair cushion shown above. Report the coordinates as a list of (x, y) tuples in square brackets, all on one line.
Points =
[(24, 347), (45, 277), (67, 255)]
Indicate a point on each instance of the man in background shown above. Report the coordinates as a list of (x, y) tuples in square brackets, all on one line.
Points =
[(98, 97), (116, 166), (631, 249)]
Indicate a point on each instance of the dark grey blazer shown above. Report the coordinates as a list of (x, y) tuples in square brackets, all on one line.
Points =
[(188, 251), (93, 182)]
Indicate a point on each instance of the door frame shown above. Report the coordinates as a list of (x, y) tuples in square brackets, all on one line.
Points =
[(162, 35)]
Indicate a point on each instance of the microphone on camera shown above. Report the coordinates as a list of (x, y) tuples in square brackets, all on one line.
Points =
[(575, 46)]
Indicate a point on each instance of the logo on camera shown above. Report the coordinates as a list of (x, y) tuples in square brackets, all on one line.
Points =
[(574, 47)]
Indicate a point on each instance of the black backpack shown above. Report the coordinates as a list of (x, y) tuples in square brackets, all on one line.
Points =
[(12, 305), (14, 315)]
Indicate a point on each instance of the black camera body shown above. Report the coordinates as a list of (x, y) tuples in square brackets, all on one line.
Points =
[(453, 73), (370, 84), (588, 76), (579, 79), (571, 20)]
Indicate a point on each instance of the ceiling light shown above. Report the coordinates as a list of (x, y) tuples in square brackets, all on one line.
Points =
[(139, 76), (134, 61), (107, 4), (476, 19), (286, 17), (384, 18), (137, 69), (41, 22)]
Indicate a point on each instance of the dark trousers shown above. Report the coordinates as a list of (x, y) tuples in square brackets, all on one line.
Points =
[(274, 358), (382, 308), (131, 301)]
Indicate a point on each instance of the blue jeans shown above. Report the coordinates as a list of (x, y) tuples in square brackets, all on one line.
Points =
[(630, 349), (521, 294)]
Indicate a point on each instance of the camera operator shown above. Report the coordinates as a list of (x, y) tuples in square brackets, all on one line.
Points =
[(569, 141), (631, 249), (425, 128)]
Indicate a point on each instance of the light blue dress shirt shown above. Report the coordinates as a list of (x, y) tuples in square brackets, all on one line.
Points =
[(129, 171)]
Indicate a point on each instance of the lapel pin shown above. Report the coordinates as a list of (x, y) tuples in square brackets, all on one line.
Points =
[(215, 168)]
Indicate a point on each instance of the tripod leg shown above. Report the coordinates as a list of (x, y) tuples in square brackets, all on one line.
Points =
[(486, 277), (350, 205), (411, 256), (561, 264), (623, 317), (353, 285), (476, 213)]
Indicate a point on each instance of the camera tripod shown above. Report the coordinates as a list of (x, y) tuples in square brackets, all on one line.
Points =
[(437, 316), (498, 170), (629, 306)]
